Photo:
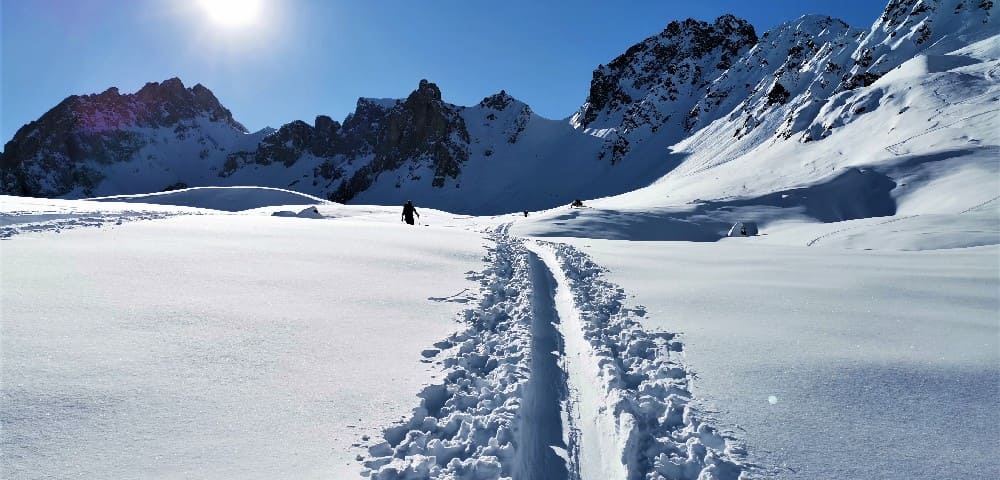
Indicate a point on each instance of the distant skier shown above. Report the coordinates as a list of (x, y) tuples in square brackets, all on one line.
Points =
[(577, 203), (525, 213), (408, 212)]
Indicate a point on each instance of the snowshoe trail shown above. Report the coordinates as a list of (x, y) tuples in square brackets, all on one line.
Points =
[(554, 378)]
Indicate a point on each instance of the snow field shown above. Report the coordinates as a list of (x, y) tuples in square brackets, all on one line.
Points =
[(218, 346), (831, 363)]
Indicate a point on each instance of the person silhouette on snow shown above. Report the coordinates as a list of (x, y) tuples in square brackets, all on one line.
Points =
[(408, 212)]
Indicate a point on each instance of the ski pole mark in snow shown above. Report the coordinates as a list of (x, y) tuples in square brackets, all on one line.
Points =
[(461, 297), (816, 240), (895, 148)]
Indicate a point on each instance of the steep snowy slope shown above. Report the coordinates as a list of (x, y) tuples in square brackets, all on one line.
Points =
[(922, 139)]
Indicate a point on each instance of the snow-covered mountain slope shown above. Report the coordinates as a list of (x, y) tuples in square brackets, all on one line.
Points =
[(672, 110), (922, 140), (161, 136), (648, 91)]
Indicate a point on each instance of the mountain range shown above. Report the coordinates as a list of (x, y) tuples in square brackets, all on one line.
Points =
[(720, 88)]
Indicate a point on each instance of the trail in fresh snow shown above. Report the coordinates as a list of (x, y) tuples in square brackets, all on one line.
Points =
[(554, 378), (542, 452), (593, 436)]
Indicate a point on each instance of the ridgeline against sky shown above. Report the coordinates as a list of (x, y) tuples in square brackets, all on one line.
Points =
[(274, 61)]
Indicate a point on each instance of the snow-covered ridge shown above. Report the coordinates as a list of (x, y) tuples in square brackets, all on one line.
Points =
[(230, 199)]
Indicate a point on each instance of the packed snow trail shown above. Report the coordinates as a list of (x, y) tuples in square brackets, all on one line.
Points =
[(541, 449), (637, 421), (554, 378), (593, 431)]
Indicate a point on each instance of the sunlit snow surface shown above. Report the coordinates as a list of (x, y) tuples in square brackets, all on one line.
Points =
[(218, 346), (214, 344)]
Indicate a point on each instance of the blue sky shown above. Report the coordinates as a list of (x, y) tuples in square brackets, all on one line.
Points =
[(308, 57)]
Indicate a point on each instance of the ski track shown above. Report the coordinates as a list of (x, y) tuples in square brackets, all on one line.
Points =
[(554, 378), (69, 221)]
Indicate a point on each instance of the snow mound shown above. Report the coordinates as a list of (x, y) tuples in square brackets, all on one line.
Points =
[(229, 199), (311, 212)]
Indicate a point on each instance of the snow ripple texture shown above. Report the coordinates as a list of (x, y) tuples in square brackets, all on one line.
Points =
[(664, 434), (9, 227), (465, 428)]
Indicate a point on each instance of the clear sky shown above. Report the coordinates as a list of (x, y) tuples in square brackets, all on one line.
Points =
[(295, 59)]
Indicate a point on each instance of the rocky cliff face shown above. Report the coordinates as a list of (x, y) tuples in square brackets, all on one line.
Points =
[(652, 86), (422, 131)]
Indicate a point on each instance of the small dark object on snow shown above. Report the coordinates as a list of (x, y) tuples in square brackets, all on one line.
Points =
[(577, 203), (743, 229), (525, 213), (408, 212)]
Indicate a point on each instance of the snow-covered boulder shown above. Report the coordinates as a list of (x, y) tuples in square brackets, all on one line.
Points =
[(311, 212), (743, 229)]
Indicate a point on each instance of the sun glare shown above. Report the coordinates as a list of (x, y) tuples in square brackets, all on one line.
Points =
[(232, 13)]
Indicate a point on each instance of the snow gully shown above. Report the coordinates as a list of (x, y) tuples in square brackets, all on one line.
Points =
[(554, 378)]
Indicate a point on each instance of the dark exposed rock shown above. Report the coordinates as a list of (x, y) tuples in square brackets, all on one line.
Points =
[(778, 94), (670, 58), (499, 101), (175, 186), (292, 140), (858, 80), (422, 128)]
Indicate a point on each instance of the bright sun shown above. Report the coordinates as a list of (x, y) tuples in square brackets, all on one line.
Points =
[(232, 13)]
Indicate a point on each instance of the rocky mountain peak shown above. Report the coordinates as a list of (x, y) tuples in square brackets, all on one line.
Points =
[(686, 53), (498, 101), (425, 92)]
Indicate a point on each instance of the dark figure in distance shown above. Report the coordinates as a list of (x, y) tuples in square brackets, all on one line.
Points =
[(408, 212)]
